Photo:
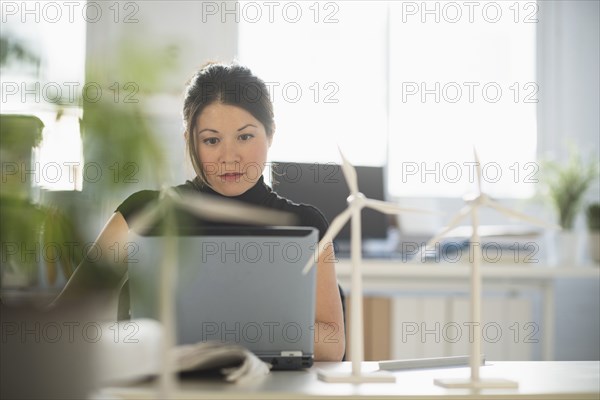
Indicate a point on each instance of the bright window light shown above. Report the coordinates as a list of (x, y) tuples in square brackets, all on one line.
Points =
[(462, 76), (327, 71)]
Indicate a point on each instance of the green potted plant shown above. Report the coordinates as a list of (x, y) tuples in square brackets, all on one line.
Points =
[(593, 223), (565, 185)]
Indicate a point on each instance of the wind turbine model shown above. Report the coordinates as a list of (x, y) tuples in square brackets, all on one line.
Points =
[(475, 201), (203, 206), (356, 202)]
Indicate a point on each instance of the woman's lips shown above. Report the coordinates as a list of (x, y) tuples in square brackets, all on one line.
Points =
[(231, 177)]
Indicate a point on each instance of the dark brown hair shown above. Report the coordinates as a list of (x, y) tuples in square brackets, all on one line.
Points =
[(231, 84)]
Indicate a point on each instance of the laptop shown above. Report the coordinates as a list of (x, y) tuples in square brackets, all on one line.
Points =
[(241, 285)]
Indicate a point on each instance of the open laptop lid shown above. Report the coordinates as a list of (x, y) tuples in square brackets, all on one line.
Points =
[(235, 284)]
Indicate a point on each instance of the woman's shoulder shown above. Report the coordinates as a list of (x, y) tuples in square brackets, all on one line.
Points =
[(308, 215), (313, 214), (136, 201)]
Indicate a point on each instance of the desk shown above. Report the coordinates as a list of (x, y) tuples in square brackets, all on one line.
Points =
[(537, 380), (392, 276)]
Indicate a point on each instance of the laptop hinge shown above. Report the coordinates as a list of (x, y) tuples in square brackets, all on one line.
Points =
[(291, 353)]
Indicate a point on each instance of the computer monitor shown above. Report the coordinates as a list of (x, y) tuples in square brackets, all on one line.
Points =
[(323, 185)]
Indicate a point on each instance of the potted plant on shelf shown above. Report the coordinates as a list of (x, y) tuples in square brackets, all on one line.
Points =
[(593, 222), (21, 218), (565, 185)]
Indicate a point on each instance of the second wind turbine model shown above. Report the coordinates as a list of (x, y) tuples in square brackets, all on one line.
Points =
[(479, 199)]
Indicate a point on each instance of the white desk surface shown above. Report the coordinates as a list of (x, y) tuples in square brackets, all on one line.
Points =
[(537, 380)]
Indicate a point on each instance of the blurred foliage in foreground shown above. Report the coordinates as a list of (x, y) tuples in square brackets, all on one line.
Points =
[(118, 143)]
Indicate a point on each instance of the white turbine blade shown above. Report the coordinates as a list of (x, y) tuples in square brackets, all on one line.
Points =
[(349, 174), (334, 228), (462, 214), (227, 210), (478, 166), (519, 215), (147, 217), (390, 208), (167, 192), (153, 212)]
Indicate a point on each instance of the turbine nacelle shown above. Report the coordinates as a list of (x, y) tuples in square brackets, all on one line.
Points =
[(357, 199), (475, 198)]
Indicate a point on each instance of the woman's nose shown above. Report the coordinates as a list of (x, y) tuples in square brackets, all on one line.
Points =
[(229, 153)]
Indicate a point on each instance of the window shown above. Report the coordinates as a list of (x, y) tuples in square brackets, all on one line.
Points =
[(416, 85)]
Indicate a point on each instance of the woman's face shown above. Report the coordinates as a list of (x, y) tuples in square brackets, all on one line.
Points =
[(232, 146)]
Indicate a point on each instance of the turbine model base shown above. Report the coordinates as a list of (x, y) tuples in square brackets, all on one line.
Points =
[(348, 377), (467, 383)]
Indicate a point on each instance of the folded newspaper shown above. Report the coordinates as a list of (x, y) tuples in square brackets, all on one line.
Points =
[(130, 350), (236, 363)]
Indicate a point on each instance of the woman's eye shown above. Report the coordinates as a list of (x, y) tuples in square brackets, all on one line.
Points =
[(211, 140), (246, 136)]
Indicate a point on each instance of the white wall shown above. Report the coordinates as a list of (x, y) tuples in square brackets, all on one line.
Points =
[(568, 76)]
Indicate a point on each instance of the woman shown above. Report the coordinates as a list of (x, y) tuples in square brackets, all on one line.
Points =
[(229, 127)]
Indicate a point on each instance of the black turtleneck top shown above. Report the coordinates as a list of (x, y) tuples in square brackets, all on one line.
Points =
[(260, 194)]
